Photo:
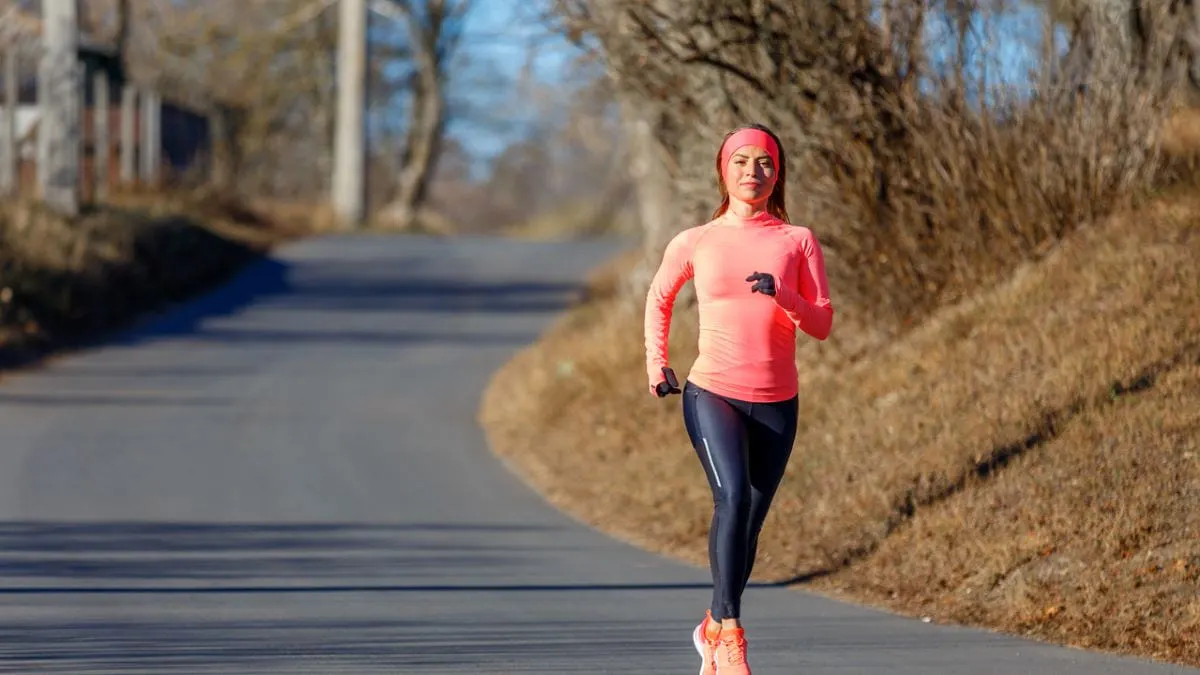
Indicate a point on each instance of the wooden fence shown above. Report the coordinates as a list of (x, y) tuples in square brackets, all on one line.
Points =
[(127, 135)]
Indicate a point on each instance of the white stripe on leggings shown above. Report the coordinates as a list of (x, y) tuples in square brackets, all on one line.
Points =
[(710, 460)]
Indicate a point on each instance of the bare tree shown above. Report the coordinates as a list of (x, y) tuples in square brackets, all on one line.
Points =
[(267, 73), (435, 28), (1160, 39), (891, 161)]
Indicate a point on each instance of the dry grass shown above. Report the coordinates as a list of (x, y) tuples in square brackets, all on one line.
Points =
[(1091, 538), (1181, 134), (975, 193), (1010, 321), (63, 281), (1024, 459)]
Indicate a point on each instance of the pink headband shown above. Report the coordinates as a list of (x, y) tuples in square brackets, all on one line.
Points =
[(746, 137)]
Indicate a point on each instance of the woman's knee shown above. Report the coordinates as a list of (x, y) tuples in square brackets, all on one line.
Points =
[(733, 500)]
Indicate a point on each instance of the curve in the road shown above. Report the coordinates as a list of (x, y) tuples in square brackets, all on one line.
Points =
[(286, 476)]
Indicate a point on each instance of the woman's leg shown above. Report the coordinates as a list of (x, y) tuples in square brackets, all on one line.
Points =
[(719, 435), (771, 433)]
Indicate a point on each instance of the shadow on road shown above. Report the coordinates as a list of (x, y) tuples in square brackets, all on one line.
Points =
[(493, 645), (130, 597), (59, 399), (153, 558), (328, 303)]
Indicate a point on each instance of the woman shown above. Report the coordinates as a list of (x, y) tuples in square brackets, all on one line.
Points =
[(757, 279)]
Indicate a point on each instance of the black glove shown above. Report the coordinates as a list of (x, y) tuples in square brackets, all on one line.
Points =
[(764, 283), (669, 386)]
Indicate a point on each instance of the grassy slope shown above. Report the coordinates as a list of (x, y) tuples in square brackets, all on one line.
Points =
[(64, 281), (1027, 460)]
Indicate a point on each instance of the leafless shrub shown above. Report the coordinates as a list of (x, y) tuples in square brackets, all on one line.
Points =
[(921, 172)]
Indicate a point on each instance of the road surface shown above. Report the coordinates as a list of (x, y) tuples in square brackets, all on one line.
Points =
[(286, 477)]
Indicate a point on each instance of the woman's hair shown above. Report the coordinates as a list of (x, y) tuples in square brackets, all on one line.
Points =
[(777, 202)]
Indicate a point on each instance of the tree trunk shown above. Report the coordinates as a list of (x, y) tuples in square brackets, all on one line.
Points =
[(9, 149), (424, 136), (962, 19), (225, 155), (1191, 38), (422, 144), (1049, 50), (124, 23), (59, 103)]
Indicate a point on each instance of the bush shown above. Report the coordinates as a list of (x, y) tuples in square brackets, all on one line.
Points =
[(922, 178)]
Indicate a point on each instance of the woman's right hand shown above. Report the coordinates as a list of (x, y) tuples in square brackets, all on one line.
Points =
[(669, 385)]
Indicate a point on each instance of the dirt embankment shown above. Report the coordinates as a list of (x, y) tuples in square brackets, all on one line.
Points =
[(65, 281), (1027, 459)]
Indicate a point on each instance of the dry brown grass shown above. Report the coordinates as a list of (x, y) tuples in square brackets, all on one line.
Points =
[(1025, 459), (975, 193), (1091, 538), (63, 281), (1181, 134)]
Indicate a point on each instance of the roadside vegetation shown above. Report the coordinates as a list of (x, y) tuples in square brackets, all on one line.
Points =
[(66, 281), (1004, 428)]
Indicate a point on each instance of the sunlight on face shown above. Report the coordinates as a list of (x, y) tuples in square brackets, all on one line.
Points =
[(751, 175)]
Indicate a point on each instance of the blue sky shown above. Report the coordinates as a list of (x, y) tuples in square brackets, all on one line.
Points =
[(501, 33), (495, 50), (1017, 35)]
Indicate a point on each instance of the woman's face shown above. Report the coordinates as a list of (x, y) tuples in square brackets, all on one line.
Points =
[(750, 175)]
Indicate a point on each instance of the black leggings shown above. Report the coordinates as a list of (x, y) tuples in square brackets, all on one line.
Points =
[(744, 448)]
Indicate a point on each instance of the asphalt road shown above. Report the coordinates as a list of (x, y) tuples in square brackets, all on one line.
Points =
[(287, 477)]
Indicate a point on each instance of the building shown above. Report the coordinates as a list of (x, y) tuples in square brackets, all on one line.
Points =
[(183, 143)]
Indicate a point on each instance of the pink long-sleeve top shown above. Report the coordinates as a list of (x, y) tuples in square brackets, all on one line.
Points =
[(747, 343)]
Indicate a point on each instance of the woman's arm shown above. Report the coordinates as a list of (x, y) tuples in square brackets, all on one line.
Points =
[(674, 270), (809, 307)]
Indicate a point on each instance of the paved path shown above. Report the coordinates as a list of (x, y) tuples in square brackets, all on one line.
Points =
[(287, 477)]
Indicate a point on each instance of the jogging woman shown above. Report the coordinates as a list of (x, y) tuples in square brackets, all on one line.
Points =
[(758, 279)]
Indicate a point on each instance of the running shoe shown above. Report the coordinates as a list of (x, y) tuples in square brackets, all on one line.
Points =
[(731, 652), (706, 643)]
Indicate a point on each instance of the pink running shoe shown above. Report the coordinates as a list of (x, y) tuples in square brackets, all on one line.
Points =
[(731, 653), (704, 637)]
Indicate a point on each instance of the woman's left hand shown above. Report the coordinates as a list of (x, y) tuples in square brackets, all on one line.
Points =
[(764, 283)]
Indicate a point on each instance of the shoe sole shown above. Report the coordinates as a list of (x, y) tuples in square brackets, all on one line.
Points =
[(698, 643)]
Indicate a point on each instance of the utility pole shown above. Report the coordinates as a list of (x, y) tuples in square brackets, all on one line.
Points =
[(59, 103), (349, 193)]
